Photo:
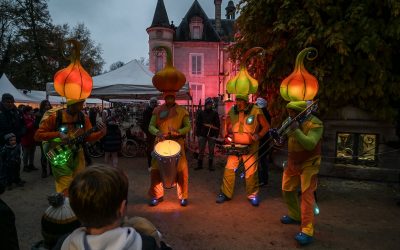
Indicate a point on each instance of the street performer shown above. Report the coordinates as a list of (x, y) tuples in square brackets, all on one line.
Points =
[(170, 121), (246, 124), (61, 126), (304, 159)]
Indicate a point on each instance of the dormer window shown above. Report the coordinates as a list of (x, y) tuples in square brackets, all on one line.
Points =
[(196, 28)]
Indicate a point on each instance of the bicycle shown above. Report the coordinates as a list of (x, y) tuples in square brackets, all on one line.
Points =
[(136, 141), (95, 149)]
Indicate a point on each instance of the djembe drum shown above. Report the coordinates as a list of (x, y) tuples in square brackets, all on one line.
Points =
[(167, 154)]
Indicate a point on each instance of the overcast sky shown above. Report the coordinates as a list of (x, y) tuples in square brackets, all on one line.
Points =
[(119, 26)]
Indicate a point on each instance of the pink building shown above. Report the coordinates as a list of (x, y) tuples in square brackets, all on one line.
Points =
[(198, 46)]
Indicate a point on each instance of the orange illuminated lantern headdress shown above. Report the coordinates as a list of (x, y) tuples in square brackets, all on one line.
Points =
[(169, 79), (242, 83), (300, 85), (73, 82)]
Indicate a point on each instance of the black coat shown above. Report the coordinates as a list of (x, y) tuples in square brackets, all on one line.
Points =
[(207, 116), (112, 140), (11, 121)]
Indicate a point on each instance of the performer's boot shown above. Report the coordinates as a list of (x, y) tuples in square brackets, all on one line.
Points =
[(210, 165), (199, 164)]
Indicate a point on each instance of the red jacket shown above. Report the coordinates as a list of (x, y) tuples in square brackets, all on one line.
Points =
[(27, 139)]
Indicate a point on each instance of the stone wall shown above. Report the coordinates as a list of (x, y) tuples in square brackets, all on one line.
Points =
[(352, 120)]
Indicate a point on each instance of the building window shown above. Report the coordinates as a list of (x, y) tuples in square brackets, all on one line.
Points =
[(197, 92), (196, 64), (196, 32), (196, 28), (159, 62), (356, 148)]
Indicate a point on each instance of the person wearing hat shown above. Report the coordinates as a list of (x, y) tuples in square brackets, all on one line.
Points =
[(304, 159), (263, 174), (10, 160), (170, 121), (61, 126), (144, 125), (207, 127), (246, 124)]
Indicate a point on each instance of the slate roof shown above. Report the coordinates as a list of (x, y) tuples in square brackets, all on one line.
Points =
[(209, 33), (160, 18)]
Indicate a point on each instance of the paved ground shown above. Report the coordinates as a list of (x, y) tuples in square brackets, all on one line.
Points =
[(354, 214)]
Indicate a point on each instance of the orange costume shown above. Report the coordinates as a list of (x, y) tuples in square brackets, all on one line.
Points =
[(242, 128), (304, 159), (164, 120), (48, 131), (245, 126)]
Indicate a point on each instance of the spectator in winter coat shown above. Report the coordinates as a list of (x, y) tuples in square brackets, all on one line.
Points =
[(263, 171), (112, 142), (27, 142), (44, 106), (207, 126), (11, 120), (150, 138), (10, 158)]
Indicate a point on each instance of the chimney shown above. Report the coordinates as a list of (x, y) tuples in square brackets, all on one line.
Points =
[(218, 15)]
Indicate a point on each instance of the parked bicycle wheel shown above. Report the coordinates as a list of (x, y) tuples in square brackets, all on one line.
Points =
[(95, 149), (129, 148)]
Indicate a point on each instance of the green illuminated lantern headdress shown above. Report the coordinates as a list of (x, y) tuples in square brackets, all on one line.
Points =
[(243, 84)]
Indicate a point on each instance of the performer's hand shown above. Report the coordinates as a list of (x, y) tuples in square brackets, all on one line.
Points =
[(160, 135), (228, 139), (102, 127), (175, 133), (295, 125)]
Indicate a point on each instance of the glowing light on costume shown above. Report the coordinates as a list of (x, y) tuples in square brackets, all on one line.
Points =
[(316, 209), (62, 158), (300, 85), (73, 82), (250, 119)]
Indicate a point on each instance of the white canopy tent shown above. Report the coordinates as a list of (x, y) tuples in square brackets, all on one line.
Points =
[(41, 95), (131, 81), (7, 87)]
